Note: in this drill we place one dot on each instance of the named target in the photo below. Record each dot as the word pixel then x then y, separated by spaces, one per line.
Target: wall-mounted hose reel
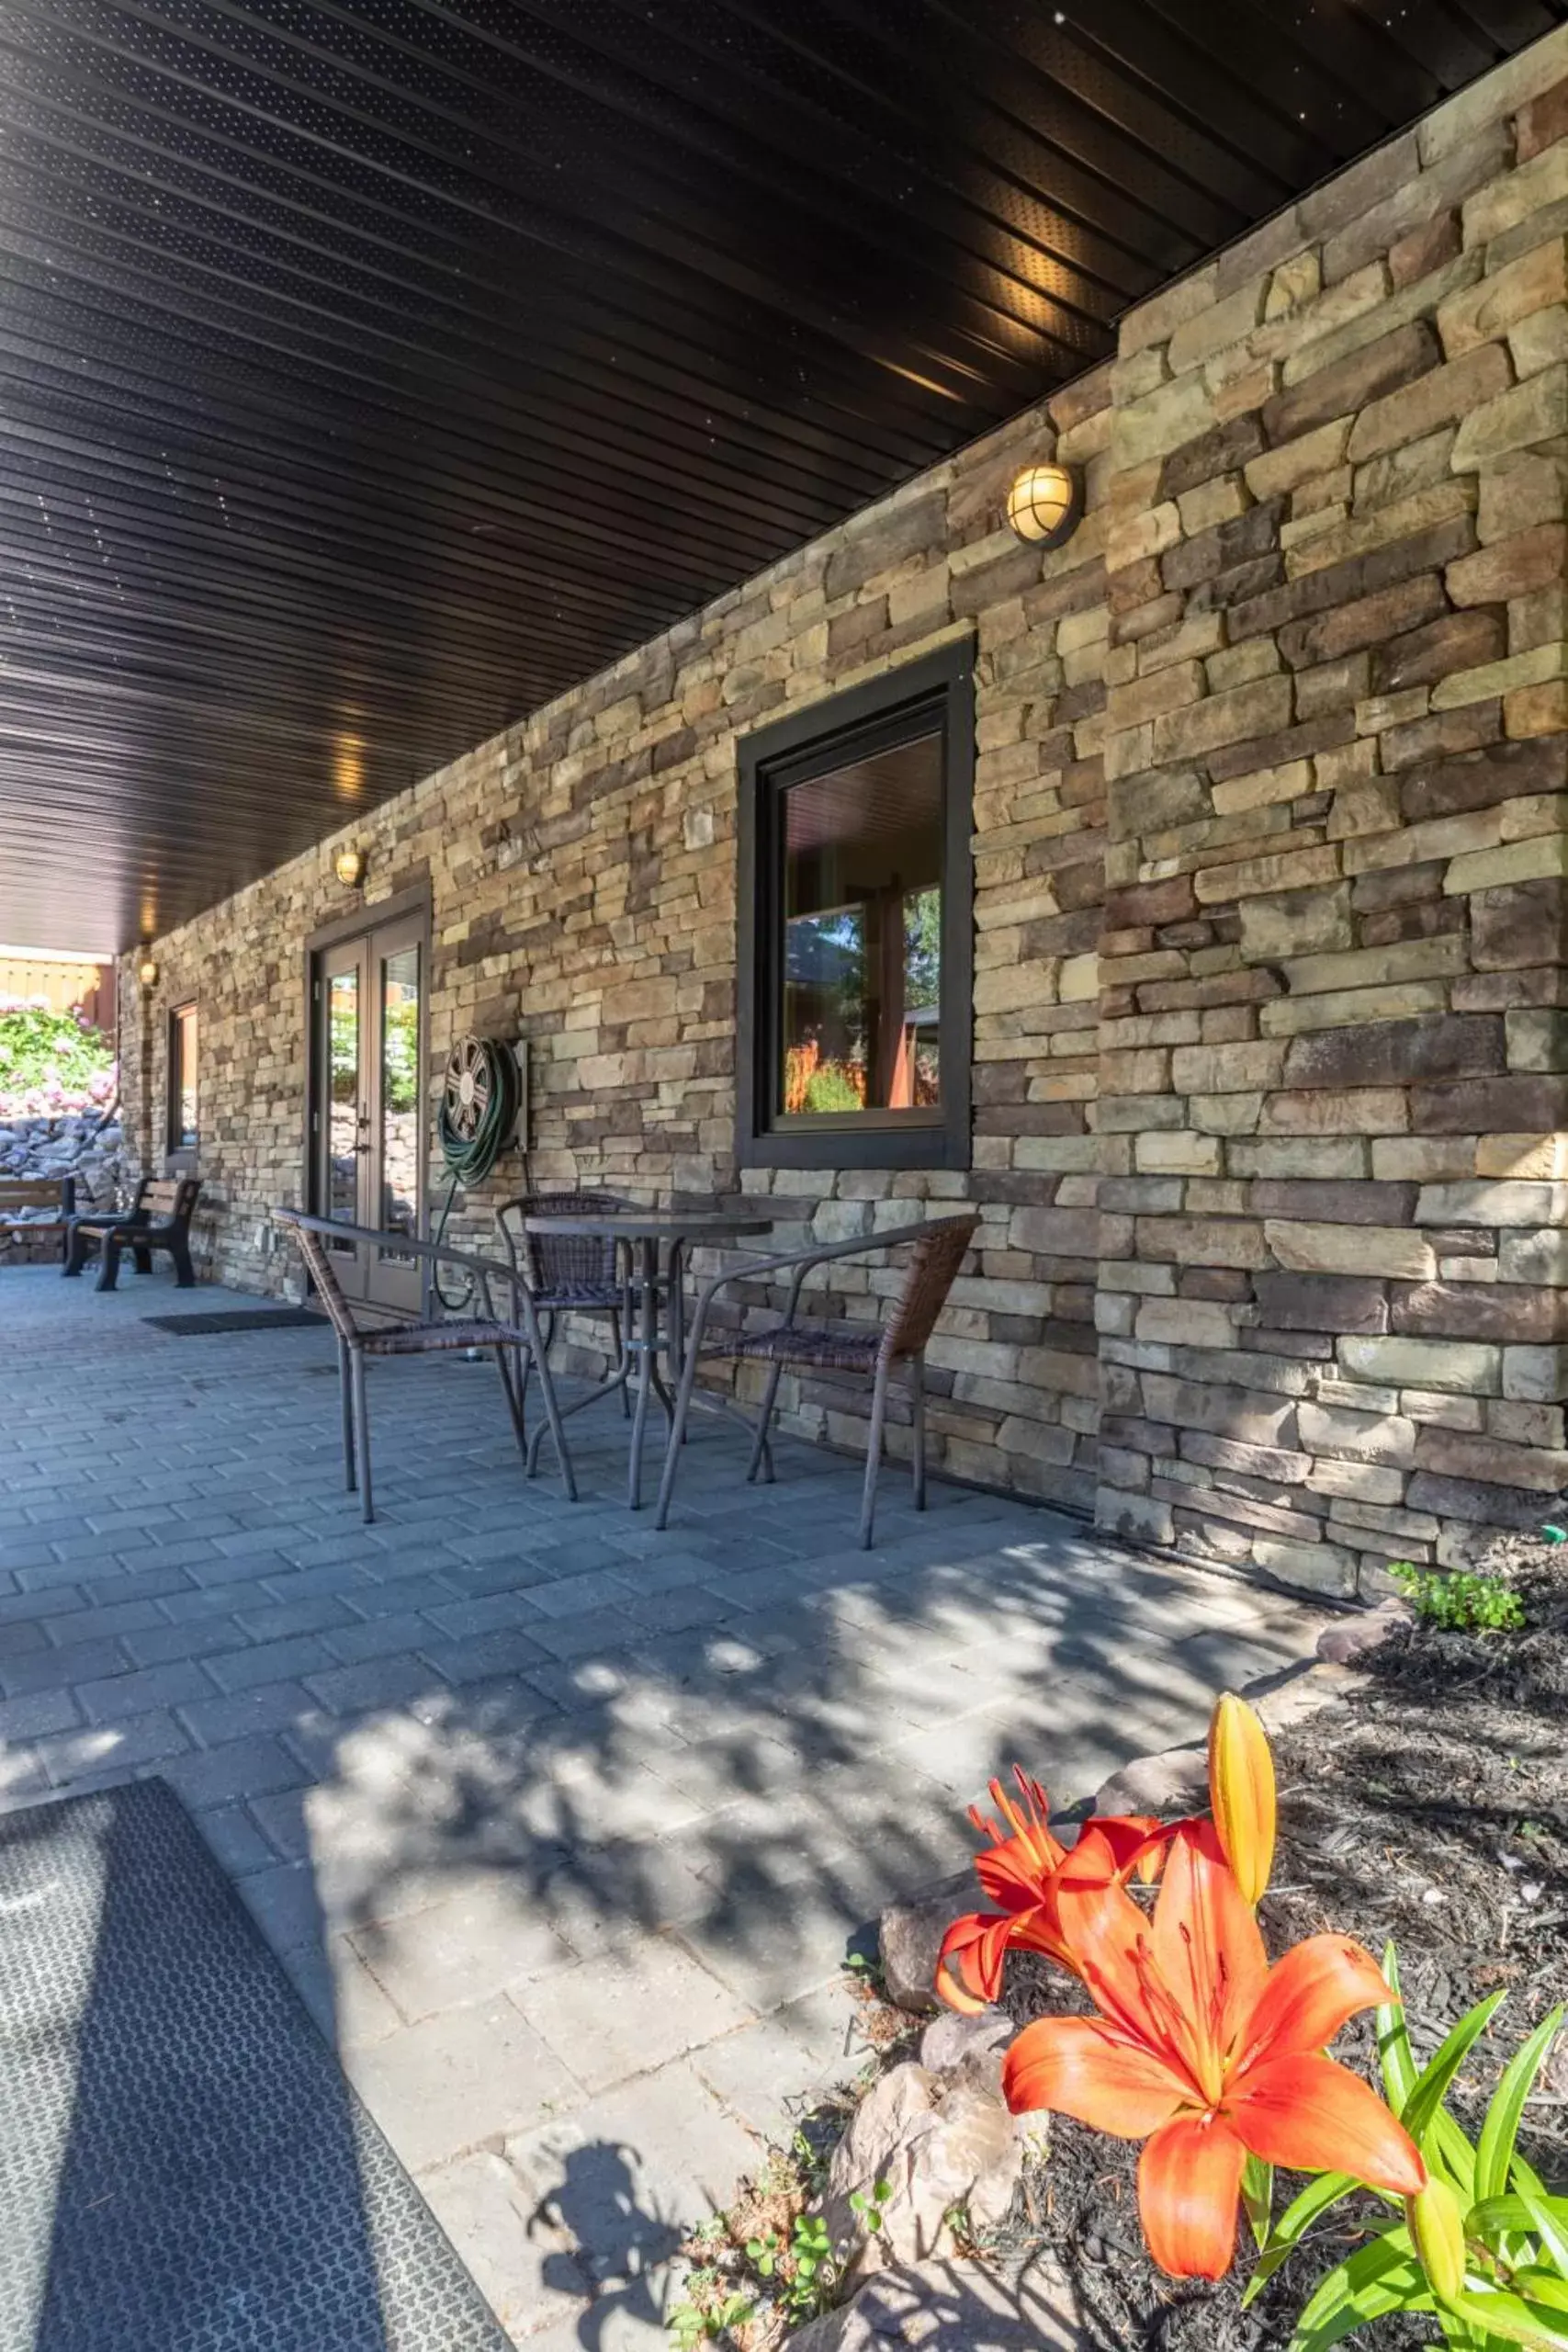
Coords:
pixel 483 1108
pixel 482 1098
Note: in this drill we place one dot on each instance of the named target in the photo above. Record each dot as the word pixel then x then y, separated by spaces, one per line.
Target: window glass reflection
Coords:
pixel 183 1036
pixel 400 1094
pixel 861 977
pixel 343 1113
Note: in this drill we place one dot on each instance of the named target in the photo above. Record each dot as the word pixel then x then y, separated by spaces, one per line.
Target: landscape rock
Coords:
pixel 937 2142
pixel 1358 1637
pixel 951 2043
pixel 1175 1782
pixel 910 1938
pixel 69 1145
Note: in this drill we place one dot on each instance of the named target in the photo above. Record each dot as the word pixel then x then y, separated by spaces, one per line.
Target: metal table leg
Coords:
pixel 647 1344
pixel 676 1320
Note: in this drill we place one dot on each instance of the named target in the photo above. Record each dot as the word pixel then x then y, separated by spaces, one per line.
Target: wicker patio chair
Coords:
pixel 936 1252
pixel 356 1341
pixel 571 1273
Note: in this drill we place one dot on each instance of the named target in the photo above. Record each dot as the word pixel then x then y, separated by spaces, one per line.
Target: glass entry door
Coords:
pixel 366 1114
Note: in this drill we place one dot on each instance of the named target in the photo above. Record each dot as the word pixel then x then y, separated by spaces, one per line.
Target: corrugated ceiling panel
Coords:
pixel 370 372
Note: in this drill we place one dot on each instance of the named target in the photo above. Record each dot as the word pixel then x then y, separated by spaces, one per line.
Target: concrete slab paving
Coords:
pixel 562 1827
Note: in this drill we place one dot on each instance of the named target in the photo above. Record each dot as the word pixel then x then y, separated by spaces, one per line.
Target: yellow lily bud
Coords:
pixel 1436 2230
pixel 1241 1793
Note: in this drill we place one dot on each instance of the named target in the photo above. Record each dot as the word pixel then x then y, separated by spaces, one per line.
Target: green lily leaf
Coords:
pixel 1394 2054
pixel 1547 2286
pixel 1517 2211
pixel 1426 2092
pixel 1258 2196
pixel 1495 2150
pixel 1549 2220
pixel 1317 2199
pixel 1510 2224
pixel 1496 2313
pixel 1383 2276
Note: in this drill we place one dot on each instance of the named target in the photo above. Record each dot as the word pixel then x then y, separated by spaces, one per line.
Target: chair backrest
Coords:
pixel 557 1263
pixel 170 1199
pixel 328 1290
pixel 934 1261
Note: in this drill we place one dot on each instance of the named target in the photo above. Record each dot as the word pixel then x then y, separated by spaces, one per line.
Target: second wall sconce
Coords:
pixel 1044 504
pixel 349 867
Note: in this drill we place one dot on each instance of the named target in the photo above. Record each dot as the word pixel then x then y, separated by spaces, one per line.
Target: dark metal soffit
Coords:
pixel 371 370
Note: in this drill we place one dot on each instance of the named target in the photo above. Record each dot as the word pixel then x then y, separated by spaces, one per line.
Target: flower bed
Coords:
pixel 1429 1806
pixel 1424 1808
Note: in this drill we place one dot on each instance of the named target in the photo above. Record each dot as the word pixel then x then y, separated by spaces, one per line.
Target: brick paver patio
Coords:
pixel 559 1825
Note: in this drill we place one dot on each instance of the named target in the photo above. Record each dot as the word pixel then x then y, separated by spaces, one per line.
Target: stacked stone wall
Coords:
pixel 1333 1035
pixel 1270 1148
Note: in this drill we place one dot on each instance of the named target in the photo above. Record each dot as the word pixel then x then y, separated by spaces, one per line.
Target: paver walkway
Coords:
pixel 559 1825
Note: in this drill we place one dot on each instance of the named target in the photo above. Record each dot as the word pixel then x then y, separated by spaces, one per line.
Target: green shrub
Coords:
pixel 831 1088
pixel 1458 1601
pixel 50 1060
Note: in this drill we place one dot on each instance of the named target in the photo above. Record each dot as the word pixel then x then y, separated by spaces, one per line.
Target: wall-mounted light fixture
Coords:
pixel 349 867
pixel 1044 503
pixel 147 969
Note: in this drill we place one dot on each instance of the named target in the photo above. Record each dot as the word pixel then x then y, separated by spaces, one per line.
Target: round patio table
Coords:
pixel 648 1233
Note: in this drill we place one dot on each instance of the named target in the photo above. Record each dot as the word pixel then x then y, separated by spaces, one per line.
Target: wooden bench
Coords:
pixel 159 1218
pixel 32 1206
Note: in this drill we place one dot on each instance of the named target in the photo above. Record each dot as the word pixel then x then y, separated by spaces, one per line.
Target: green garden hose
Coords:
pixel 479 1102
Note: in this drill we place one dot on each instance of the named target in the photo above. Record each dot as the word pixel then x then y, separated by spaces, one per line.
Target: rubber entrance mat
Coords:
pixel 183 2166
pixel 238 1318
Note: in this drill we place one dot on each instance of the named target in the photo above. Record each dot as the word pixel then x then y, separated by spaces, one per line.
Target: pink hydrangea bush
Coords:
pixel 53 1065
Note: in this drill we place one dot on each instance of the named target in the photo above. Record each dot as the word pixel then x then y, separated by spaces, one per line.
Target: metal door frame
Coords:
pixel 412 908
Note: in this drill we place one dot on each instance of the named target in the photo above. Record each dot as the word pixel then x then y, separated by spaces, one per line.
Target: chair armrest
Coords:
pixel 433 1253
pixel 801 1261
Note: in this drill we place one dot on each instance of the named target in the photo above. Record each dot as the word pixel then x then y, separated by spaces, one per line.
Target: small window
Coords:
pixel 182 1077
pixel 856 913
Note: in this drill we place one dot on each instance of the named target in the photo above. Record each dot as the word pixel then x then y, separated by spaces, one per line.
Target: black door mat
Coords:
pixel 238 1318
pixel 183 2166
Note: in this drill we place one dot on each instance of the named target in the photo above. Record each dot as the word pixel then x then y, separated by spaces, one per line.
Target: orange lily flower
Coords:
pixel 1241 1793
pixel 1020 1871
pixel 1206 2052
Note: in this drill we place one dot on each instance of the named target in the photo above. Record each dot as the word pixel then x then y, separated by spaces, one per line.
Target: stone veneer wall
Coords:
pixel 1286 1118
pixel 1333 1101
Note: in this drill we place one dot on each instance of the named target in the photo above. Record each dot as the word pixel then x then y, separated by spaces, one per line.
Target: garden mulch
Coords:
pixel 1430 1805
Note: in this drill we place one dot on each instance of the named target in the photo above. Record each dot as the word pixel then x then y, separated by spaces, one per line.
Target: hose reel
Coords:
pixel 481 1101
pixel 482 1094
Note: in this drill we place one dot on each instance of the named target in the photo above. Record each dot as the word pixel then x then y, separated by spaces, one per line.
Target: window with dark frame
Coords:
pixel 183 1036
pixel 856 911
